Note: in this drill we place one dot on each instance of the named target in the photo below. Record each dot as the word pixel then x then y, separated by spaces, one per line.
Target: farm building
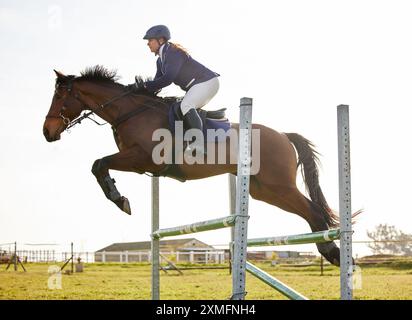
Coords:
pixel 189 250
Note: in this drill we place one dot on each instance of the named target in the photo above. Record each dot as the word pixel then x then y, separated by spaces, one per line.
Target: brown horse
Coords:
pixel 135 116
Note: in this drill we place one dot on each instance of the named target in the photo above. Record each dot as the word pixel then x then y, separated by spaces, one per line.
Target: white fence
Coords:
pixel 204 257
pixel 199 257
pixel 50 256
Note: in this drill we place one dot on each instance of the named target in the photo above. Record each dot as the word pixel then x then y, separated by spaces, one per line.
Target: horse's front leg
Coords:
pixel 132 159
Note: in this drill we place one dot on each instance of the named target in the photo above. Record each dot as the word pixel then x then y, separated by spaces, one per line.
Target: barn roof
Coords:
pixel 145 245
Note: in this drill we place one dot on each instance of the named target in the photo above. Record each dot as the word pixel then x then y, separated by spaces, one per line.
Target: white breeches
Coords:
pixel 199 95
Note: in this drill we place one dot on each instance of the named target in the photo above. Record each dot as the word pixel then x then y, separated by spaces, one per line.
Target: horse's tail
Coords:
pixel 308 160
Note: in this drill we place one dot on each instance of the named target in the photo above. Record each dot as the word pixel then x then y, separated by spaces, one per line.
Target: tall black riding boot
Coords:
pixel 192 121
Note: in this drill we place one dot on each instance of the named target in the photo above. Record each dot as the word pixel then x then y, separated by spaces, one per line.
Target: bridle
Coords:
pixel 86 115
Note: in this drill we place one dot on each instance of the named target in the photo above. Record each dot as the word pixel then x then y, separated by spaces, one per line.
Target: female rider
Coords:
pixel 176 65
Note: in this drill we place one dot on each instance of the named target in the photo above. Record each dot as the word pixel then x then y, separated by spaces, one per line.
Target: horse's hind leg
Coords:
pixel 315 216
pixel 128 160
pixel 290 199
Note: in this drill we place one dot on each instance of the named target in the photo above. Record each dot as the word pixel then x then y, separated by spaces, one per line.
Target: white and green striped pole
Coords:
pixel 315 237
pixel 208 225
pixel 274 283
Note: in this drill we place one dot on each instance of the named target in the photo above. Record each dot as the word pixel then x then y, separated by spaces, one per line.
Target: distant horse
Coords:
pixel 135 116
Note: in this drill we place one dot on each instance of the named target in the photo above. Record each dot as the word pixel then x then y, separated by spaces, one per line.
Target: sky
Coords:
pixel 298 60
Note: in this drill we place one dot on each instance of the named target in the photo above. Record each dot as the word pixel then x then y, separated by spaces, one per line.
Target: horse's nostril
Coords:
pixel 46 133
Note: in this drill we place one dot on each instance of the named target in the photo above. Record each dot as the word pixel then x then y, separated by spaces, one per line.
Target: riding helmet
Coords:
pixel 157 32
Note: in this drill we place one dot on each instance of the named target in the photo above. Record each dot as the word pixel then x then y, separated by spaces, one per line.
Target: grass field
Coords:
pixel 132 281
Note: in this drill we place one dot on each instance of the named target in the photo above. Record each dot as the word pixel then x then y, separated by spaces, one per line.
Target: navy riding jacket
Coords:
pixel 180 68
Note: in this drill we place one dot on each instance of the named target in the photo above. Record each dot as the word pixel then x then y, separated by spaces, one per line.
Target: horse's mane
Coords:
pixel 101 74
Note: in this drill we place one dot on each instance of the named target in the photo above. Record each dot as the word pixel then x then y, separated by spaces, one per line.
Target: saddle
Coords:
pixel 218 115
pixel 215 119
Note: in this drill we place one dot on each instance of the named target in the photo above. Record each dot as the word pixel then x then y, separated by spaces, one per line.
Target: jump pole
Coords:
pixel 207 225
pixel 232 209
pixel 274 283
pixel 155 241
pixel 239 255
pixel 315 237
pixel 345 207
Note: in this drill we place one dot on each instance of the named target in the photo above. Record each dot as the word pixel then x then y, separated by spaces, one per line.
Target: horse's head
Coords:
pixel 65 107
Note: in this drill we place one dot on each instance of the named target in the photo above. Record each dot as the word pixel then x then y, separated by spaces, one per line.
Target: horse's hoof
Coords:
pixel 124 205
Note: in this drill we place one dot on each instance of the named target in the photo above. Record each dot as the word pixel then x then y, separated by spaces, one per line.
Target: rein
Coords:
pixel 86 115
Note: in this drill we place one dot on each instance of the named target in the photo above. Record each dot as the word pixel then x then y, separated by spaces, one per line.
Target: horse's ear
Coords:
pixel 59 74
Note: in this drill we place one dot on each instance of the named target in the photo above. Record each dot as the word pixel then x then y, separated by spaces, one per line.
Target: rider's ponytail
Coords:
pixel 179 47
